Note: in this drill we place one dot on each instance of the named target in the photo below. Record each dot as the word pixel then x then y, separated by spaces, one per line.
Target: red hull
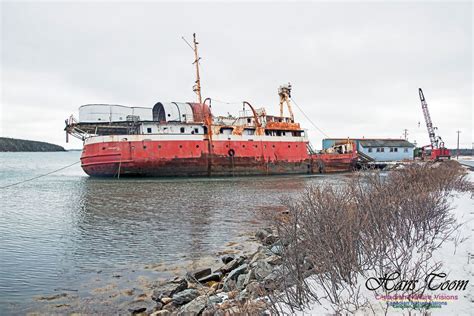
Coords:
pixel 199 158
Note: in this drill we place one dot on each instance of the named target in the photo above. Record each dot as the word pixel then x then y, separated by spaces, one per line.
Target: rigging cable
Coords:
pixel 40 176
pixel 306 116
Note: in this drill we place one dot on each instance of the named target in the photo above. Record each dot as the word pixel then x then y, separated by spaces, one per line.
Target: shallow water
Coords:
pixel 60 231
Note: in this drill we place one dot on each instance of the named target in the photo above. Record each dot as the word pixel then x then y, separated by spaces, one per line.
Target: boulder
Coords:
pixel 227 258
pixel 262 233
pixel 270 239
pixel 185 296
pixel 229 285
pixel 171 307
pixel 249 277
pixel 137 310
pixel 214 299
pixel 262 270
pixel 277 249
pixel 199 274
pixel 234 274
pixel 215 277
pixel 231 265
pixel 168 290
pixel 194 307
pixel 240 281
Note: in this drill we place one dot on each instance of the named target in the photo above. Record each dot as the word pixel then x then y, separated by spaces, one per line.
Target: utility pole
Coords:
pixel 457 152
pixel 405 134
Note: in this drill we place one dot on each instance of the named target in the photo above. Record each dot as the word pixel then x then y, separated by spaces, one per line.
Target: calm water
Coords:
pixel 58 231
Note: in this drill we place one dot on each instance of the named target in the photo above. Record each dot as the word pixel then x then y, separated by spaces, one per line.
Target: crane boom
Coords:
pixel 429 123
pixel 438 151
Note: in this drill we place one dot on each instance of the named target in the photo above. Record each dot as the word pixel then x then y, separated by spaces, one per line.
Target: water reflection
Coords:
pixel 61 230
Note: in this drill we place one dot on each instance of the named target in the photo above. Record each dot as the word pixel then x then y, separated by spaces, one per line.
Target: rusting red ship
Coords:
pixel 186 139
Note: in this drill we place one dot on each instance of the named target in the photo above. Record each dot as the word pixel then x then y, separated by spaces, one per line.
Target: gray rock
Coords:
pixel 163 312
pixel 270 239
pixel 214 299
pixel 240 281
pixel 185 296
pixel 262 270
pixel 140 306
pixel 231 265
pixel 137 310
pixel 199 274
pixel 249 277
pixel 229 285
pixel 254 289
pixel 168 290
pixel 227 258
pixel 261 234
pixel 234 274
pixel 277 249
pixel 194 307
pixel 216 276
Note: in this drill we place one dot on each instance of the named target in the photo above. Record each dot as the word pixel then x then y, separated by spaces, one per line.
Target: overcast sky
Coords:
pixel 355 67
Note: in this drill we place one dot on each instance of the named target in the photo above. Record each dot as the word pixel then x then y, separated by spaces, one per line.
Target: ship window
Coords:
pixel 249 120
pixel 182 129
pixel 144 147
pixel 391 149
pixel 273 146
pixel 382 149
pixel 395 149
pixel 243 146
pixel 378 150
pixel 405 150
pixel 227 146
pixel 289 146
pixel 197 146
pixel 180 146
pixel 103 148
pixel 370 150
pixel 196 130
pixel 169 115
pixel 148 130
pixel 159 146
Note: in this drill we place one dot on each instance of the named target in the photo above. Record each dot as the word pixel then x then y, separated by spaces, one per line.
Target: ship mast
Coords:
pixel 197 86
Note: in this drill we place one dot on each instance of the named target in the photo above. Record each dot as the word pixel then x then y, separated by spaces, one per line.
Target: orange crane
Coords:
pixel 438 150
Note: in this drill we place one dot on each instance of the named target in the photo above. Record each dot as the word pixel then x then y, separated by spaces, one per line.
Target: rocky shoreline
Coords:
pixel 236 287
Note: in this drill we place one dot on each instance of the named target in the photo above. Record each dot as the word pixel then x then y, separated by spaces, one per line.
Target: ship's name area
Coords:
pixel 433 281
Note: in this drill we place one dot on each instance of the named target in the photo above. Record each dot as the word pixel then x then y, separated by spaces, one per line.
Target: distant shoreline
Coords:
pixel 23 145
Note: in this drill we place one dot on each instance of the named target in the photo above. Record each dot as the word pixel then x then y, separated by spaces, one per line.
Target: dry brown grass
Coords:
pixel 372 225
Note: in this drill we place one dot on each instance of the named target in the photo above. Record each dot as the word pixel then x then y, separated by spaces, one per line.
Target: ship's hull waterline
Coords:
pixel 201 157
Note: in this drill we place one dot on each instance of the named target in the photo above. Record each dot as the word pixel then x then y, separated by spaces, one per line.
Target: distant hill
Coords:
pixel 13 144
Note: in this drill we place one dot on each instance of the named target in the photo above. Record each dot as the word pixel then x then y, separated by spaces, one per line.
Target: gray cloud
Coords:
pixel 355 67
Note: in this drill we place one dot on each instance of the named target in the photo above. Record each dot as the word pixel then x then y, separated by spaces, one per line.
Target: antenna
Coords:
pixel 197 86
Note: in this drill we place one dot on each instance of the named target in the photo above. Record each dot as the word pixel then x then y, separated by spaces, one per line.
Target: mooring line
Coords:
pixel 307 117
pixel 40 176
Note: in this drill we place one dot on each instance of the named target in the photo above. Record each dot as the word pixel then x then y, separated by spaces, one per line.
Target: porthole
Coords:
pixel 180 146
pixel 197 146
